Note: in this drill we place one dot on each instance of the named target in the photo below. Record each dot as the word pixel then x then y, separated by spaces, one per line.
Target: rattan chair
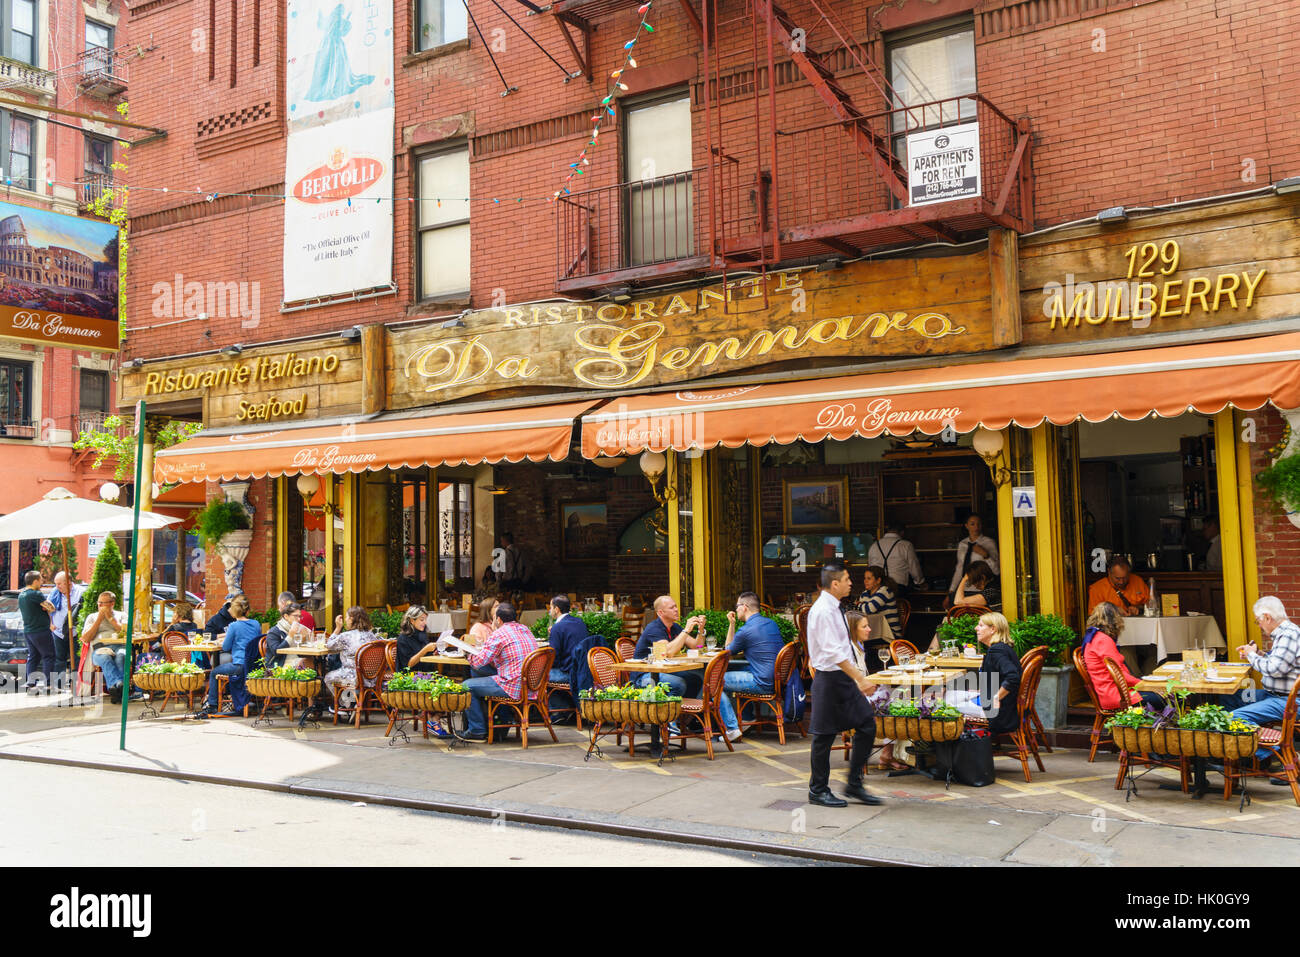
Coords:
pixel 632 623
pixel 1280 743
pixel 372 670
pixel 704 711
pixel 801 623
pixel 600 662
pixel 170 640
pixel 554 686
pixel 901 644
pixel 1040 652
pixel 786 659
pixel 1023 734
pixel 532 694
pixel 390 655
pixel 624 648
pixel 904 614
pixel 1139 760
pixel 1101 714
pixel 958 611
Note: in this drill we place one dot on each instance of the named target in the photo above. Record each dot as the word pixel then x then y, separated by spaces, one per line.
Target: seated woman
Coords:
pixel 480 631
pixel 345 644
pixel 184 623
pixel 979 586
pixel 287 631
pixel 242 636
pixel 859 634
pixel 1101 632
pixel 413 641
pixel 880 597
pixel 998 678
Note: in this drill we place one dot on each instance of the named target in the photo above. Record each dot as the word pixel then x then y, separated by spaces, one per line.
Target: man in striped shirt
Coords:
pixel 505 649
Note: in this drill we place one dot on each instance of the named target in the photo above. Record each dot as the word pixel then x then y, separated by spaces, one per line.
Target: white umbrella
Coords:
pixel 60 514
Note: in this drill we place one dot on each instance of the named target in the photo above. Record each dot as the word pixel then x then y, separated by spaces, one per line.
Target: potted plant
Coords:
pixel 924 720
pixel 292 684
pixel 1281 483
pixel 605 625
pixel 226 527
pixel 960 631
pixel 627 704
pixel 1054 687
pixel 1207 731
pixel 427 693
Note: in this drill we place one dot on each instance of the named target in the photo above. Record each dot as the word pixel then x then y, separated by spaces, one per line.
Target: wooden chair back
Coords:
pixel 536 671
pixel 625 648
pixel 785 662
pixel 1029 678
pixel 1086 678
pixel 714 675
pixel 600 662
pixel 1038 651
pixel 801 622
pixel 371 662
pixel 632 622
pixel 1121 683
pixel 904 613
pixel 957 611
pixel 390 655
pixel 1289 717
pixel 261 651
pixel 766 610
pixel 901 644
pixel 169 642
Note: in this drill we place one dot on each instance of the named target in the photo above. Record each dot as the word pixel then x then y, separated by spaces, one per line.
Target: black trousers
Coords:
pixel 864 738
pixel 40 655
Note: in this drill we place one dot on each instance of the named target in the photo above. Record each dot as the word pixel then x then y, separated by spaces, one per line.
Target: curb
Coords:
pixel 462 810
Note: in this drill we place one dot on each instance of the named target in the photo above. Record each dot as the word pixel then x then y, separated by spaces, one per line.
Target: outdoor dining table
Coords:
pixel 927 678
pixel 1232 677
pixel 665 665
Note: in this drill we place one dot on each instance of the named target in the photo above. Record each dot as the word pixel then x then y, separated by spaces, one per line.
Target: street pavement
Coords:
pixel 754 797
pixel 136 821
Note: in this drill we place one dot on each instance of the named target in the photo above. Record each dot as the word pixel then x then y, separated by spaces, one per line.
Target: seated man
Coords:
pixel 759 639
pixel 102 626
pixel 505 649
pixel 1120 587
pixel 567 633
pixel 218 622
pixel 242 637
pixel 1278 669
pixel 688 684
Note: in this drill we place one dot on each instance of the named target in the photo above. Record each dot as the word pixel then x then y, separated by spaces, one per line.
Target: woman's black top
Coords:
pixel 408 645
pixel 1003 668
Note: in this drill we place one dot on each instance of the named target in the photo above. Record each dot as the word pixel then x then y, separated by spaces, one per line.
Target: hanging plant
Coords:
pixel 218 519
pixel 1281 482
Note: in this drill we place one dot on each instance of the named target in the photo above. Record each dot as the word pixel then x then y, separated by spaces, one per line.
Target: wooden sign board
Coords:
pixel 278 383
pixel 46 328
pixel 798 318
pixel 1190 269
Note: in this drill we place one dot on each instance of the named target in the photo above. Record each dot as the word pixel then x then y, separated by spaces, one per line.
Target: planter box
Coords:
pixel 283 688
pixel 629 712
pixel 1192 744
pixel 918 729
pixel 1053 698
pixel 174 684
pixel 423 701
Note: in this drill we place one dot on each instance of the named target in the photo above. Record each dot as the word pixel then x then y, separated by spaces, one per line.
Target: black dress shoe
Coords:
pixel 826 799
pixel 860 794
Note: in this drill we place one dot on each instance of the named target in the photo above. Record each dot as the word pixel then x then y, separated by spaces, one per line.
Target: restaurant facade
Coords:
pixel 688 414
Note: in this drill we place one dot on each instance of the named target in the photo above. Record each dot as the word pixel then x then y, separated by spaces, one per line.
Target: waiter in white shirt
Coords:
pixel 975 547
pixel 839 693
pixel 898 556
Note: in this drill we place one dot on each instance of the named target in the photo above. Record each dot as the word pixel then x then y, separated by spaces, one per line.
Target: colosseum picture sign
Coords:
pixel 58 279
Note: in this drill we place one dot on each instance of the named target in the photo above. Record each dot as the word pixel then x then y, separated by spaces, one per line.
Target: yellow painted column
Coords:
pixel 1230 526
pixel 282 539
pixel 349 512
pixel 1246 510
pixel 1046 534
pixel 699 532
pixel 1007 551
pixel 327 495
pixel 673 520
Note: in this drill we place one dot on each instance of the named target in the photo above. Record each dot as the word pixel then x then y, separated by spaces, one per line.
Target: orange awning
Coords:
pixel 467 438
pixel 1172 380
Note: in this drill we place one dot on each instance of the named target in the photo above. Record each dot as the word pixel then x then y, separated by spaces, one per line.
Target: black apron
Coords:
pixel 838 704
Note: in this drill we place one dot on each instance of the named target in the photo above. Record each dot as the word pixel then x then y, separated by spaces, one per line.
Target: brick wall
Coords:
pixel 1277 541
pixel 259 567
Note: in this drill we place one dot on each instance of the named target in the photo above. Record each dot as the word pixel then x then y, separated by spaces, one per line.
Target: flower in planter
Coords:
pixel 169 668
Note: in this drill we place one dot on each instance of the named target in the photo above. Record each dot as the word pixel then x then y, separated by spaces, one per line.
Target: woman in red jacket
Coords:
pixel 1102 630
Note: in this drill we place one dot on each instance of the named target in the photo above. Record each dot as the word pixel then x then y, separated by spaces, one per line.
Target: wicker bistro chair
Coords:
pixel 532 694
pixel 632 622
pixel 1127 760
pixel 904 614
pixel 1101 714
pixel 372 671
pixel 786 660
pixel 600 663
pixel 901 644
pixel 624 648
pixel 1039 652
pixel 170 640
pixel 705 710
pixel 390 655
pixel 554 686
pixel 958 611
pixel 1023 735
pixel 1280 743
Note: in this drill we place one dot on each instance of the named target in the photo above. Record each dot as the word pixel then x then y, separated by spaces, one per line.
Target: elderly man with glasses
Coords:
pixel 1278 669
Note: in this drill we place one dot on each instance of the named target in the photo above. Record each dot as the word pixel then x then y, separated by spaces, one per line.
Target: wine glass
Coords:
pixel 883 654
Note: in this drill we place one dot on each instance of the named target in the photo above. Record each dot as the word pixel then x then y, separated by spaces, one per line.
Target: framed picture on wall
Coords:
pixel 820 504
pixel 583 536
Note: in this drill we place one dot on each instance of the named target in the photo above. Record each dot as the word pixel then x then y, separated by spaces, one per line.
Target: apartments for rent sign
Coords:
pixel 944 164
pixel 338 219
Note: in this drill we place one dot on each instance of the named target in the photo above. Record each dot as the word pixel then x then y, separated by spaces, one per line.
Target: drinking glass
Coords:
pixel 883 654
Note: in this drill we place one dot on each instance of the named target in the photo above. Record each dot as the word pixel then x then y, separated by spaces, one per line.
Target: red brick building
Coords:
pixel 751 142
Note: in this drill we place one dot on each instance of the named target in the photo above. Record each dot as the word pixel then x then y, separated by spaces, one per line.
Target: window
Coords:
pixel 16 397
pixel 94 391
pixel 16 148
pixel 456 534
pixel 439 22
pixel 931 64
pixel 99 46
pixel 19 23
pixel 659 200
pixel 443 189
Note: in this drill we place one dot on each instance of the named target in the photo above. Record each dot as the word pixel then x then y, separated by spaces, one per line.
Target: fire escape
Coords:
pixel 804 157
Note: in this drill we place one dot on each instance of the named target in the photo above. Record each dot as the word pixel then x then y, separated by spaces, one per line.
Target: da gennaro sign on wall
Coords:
pixel 58 279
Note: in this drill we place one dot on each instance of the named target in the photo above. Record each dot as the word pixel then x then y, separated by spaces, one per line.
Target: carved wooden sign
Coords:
pixel 859 311
pixel 1181 270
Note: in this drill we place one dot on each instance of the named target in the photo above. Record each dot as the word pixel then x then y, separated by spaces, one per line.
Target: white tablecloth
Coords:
pixel 440 621
pixel 532 615
pixel 1173 634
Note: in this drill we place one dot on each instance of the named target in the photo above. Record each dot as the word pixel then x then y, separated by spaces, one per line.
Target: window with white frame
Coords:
pixel 18 23
pixel 17 149
pixel 439 22
pixel 657 161
pixel 443 223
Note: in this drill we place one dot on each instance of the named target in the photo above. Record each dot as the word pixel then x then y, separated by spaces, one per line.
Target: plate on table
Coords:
pixel 1220 680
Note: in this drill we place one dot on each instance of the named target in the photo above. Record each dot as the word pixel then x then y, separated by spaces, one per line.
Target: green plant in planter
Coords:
pixel 960 630
pixel 218 519
pixel 1281 482
pixel 1034 630
pixel 106 577
pixel 604 624
pixel 715 622
pixel 789 630
pixel 1135 717
pixel 387 623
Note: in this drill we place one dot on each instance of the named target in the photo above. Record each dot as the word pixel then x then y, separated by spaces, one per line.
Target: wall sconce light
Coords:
pixel 232 350
pixel 989 444
pixel 653 464
pixel 1112 214
pixel 619 293
pixel 351 335
pixel 308 486
pixel 110 491
pixel 133 364
pixel 496 489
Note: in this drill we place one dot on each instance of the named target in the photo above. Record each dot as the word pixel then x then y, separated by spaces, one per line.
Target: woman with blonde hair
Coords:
pixel 998 677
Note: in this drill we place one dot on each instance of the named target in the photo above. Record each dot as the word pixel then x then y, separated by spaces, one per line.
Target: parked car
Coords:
pixel 13 646
pixel 168 593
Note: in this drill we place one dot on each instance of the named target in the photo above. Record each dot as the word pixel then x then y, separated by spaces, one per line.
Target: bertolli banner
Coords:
pixel 338 217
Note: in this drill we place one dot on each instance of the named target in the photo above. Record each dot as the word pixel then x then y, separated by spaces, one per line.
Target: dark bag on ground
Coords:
pixel 795 698
pixel 969 759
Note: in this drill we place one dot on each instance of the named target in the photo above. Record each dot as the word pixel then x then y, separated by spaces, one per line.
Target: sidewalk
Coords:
pixel 1071 815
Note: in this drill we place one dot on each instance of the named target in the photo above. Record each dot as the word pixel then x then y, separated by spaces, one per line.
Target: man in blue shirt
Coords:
pixel 665 628
pixel 567 633
pixel 760 640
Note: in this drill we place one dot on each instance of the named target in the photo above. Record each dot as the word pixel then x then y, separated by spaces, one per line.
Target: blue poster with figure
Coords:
pixel 332 74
